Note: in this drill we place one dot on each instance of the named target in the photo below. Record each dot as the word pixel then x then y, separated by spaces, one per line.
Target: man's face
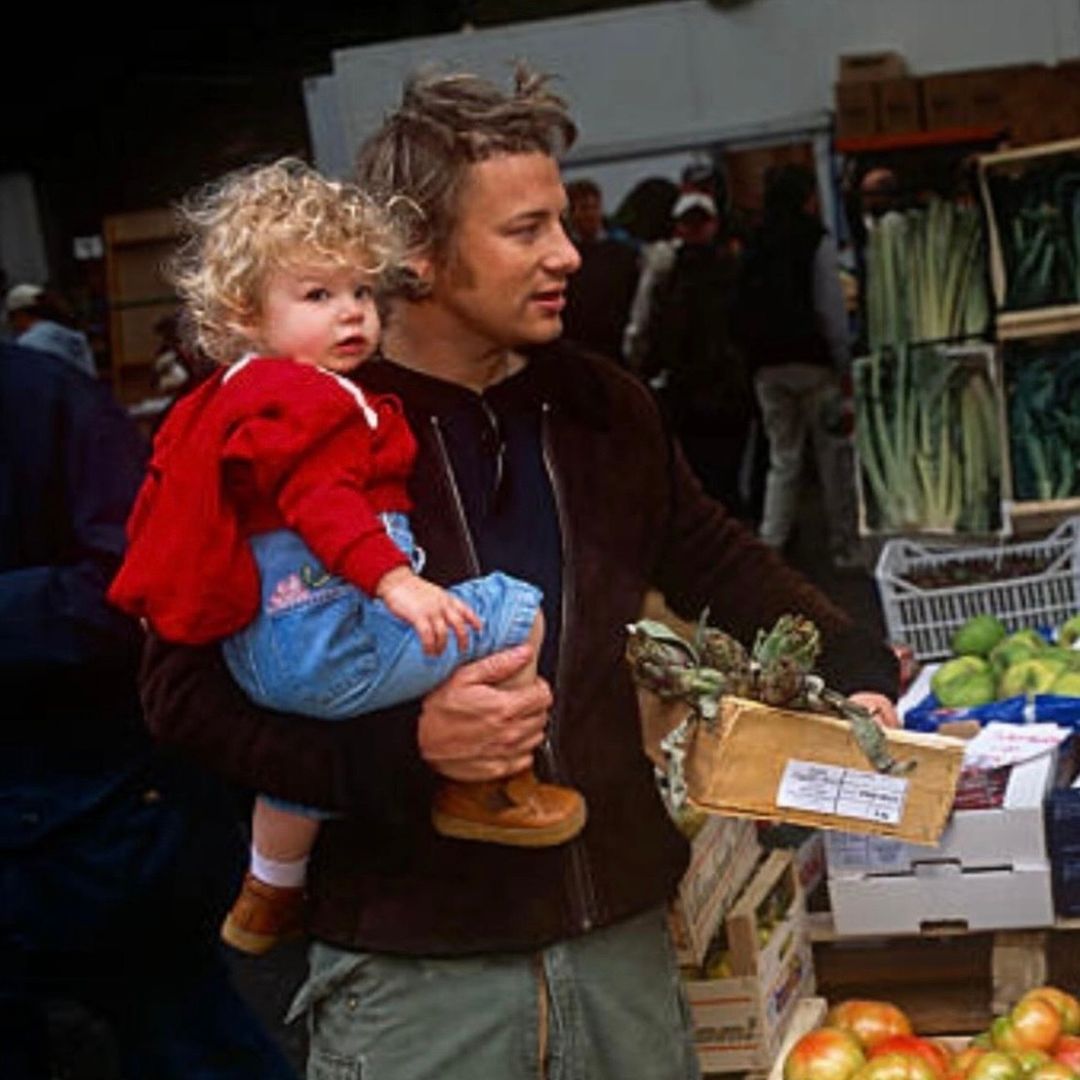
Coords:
pixel 697 227
pixel 587 215
pixel 503 281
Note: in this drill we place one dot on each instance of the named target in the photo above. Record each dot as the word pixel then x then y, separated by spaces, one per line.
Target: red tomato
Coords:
pixel 1052 1070
pixel 824 1054
pixel 935 1055
pixel 994 1065
pixel 897 1067
pixel 1067 1005
pixel 962 1062
pixel 1030 1060
pixel 1067 1051
pixel 1035 1022
pixel 869 1021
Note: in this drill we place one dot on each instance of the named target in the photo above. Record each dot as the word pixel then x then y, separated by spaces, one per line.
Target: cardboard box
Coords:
pixel 1010 836
pixel 807 847
pixel 871 66
pixel 945 100
pixel 989 871
pixel 900 108
pixel 723 856
pixel 781 765
pixel 857 110
pixel 942 895
pixel 740 1022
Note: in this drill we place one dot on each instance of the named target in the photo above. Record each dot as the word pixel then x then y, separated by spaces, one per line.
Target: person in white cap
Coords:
pixel 35 324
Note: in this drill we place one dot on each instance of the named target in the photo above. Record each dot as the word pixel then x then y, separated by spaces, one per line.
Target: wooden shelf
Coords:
pixel 917 140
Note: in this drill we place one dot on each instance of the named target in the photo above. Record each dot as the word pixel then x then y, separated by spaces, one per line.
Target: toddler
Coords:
pixel 274 515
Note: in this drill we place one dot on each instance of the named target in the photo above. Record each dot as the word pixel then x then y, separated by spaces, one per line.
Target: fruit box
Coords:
pixel 723 855
pixel 924 600
pixel 740 1021
pixel 781 765
pixel 989 871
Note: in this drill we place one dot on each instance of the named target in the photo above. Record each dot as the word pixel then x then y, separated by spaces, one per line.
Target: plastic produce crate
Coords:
pixel 925 616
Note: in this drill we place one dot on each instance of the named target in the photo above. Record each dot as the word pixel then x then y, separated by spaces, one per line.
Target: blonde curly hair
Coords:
pixel 250 222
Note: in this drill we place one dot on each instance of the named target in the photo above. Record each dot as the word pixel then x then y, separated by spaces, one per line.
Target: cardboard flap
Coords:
pixel 738 767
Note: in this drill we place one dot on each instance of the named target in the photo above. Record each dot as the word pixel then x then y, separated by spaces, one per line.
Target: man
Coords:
pixel 705 385
pixel 598 296
pixel 117 858
pixel 453 959
pixel 793 329
pixel 34 322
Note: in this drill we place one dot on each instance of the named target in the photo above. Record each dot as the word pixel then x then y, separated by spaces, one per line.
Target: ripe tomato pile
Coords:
pixel 1038 1039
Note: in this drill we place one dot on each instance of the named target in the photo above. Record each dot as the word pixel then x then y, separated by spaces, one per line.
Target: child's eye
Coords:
pixel 363 292
pixel 316 293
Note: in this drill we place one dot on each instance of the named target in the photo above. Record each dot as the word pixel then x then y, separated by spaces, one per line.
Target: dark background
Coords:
pixel 114 109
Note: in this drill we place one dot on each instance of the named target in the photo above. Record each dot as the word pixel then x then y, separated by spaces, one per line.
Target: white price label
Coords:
pixel 852 793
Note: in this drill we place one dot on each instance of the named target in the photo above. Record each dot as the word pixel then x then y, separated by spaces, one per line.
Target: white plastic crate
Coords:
pixel 926 618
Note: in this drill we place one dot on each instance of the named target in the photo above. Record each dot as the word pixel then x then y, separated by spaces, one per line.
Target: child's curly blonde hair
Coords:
pixel 238 229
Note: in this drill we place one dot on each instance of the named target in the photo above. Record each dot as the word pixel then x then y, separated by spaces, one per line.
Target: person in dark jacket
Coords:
pixel 792 326
pixel 598 296
pixel 705 384
pixel 435 957
pixel 117 858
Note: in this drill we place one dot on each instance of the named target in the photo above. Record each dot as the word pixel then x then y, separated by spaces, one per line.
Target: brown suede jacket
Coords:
pixel 632 517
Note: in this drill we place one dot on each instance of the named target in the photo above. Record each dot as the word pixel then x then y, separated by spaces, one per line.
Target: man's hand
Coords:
pixel 430 610
pixel 883 710
pixel 473 728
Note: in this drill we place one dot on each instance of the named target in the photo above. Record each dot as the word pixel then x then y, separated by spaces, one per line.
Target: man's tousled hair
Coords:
pixel 444 124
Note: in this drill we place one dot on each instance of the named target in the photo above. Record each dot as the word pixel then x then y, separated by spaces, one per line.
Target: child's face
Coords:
pixel 324 316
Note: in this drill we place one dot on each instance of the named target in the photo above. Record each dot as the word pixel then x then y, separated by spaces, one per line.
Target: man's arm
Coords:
pixel 383 766
pixel 369 765
pixel 710 558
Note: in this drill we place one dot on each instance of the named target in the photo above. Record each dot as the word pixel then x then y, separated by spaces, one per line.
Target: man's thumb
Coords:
pixel 498 666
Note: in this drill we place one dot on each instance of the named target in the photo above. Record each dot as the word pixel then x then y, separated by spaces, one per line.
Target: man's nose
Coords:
pixel 563 257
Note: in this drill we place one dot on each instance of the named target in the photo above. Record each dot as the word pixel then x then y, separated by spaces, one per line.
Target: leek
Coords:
pixel 927 440
pixel 925 276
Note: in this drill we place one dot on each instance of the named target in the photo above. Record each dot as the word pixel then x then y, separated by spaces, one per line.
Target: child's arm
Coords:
pixel 430 610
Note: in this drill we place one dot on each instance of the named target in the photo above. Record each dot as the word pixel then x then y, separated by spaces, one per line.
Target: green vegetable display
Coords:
pixel 927 440
pixel 1037 208
pixel 926 276
pixel 1043 391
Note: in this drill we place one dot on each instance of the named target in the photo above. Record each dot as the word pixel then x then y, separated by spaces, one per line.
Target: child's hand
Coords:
pixel 431 611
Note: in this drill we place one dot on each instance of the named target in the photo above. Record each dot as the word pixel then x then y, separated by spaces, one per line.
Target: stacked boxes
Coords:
pixel 990 870
pixel 723 854
pixel 740 1018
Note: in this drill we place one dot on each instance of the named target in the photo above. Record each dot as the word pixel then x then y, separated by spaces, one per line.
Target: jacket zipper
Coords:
pixel 459 506
pixel 582 884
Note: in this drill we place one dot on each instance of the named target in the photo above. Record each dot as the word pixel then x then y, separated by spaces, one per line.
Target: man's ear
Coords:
pixel 422 268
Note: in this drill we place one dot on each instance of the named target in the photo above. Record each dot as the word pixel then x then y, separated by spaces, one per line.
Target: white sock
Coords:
pixel 285 875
